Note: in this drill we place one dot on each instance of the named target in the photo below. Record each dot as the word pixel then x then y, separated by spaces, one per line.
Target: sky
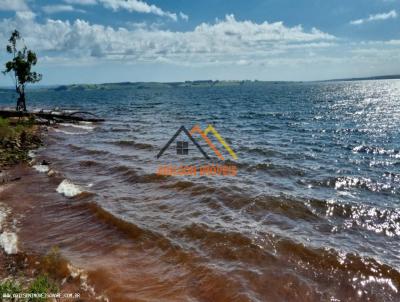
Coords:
pixel 103 41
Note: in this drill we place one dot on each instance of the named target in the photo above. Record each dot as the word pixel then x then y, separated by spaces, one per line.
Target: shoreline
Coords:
pixel 25 274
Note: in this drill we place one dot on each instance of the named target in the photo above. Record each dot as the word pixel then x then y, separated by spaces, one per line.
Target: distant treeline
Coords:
pixel 154 85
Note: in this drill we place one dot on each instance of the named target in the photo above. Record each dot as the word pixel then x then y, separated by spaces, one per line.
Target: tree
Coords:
pixel 20 67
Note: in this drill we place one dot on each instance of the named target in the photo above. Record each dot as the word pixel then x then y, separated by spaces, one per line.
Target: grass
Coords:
pixel 54 264
pixel 5 129
pixel 8 288
pixel 47 279
pixel 17 137
pixel 42 285
pixel 13 129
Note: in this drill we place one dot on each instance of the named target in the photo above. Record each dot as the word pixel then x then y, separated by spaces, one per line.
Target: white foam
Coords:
pixel 8 241
pixel 68 132
pixel 31 154
pixel 75 271
pixel 41 168
pixel 79 126
pixel 3 216
pixel 68 188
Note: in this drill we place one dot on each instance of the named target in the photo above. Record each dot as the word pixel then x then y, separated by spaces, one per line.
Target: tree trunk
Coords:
pixel 21 105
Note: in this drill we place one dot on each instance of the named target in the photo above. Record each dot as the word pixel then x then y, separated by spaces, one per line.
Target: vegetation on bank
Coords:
pixel 38 275
pixel 17 137
pixel 40 285
pixel 158 85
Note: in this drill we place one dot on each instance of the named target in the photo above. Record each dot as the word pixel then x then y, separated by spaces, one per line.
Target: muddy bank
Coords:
pixel 43 270
pixel 22 271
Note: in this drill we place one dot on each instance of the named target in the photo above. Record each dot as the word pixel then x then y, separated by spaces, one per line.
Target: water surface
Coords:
pixel 312 215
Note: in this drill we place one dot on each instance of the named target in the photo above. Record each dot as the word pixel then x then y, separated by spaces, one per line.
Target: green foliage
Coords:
pixel 8 288
pixel 42 285
pixel 4 122
pixel 16 129
pixel 20 67
pixel 22 62
pixel 5 129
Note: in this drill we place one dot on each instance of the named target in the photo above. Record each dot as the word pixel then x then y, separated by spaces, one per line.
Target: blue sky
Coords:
pixel 95 41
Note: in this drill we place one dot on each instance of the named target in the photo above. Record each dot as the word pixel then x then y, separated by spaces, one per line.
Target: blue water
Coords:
pixel 318 167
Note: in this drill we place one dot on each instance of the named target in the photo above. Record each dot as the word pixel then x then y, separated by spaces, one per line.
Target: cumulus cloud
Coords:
pixel 227 40
pixel 13 5
pixel 378 17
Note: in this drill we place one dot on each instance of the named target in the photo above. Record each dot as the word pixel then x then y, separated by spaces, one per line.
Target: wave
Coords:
pixel 89 163
pixel 280 253
pixel 113 129
pixel 130 175
pixel 87 151
pixel 69 189
pixel 385 221
pixel 85 126
pixel 68 132
pixel 270 168
pixel 349 182
pixel 259 151
pixel 376 150
pixel 106 216
pixel 131 143
pixel 342 265
pixel 277 170
pixel 41 168
pixel 131 229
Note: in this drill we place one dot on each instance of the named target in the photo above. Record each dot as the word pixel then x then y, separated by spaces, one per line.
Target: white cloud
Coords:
pixel 378 17
pixel 137 6
pixel 52 9
pixel 13 5
pixel 81 2
pixel 227 48
pixel 226 40
pixel 183 16
pixel 25 15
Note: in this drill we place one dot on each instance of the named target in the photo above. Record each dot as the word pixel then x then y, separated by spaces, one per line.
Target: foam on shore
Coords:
pixel 8 241
pixel 88 127
pixel 41 168
pixel 31 154
pixel 69 132
pixel 68 188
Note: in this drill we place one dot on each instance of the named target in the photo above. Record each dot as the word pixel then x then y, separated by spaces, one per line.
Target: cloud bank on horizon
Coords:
pixel 133 40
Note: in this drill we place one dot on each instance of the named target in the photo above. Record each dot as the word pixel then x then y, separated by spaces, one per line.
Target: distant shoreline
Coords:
pixel 197 83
